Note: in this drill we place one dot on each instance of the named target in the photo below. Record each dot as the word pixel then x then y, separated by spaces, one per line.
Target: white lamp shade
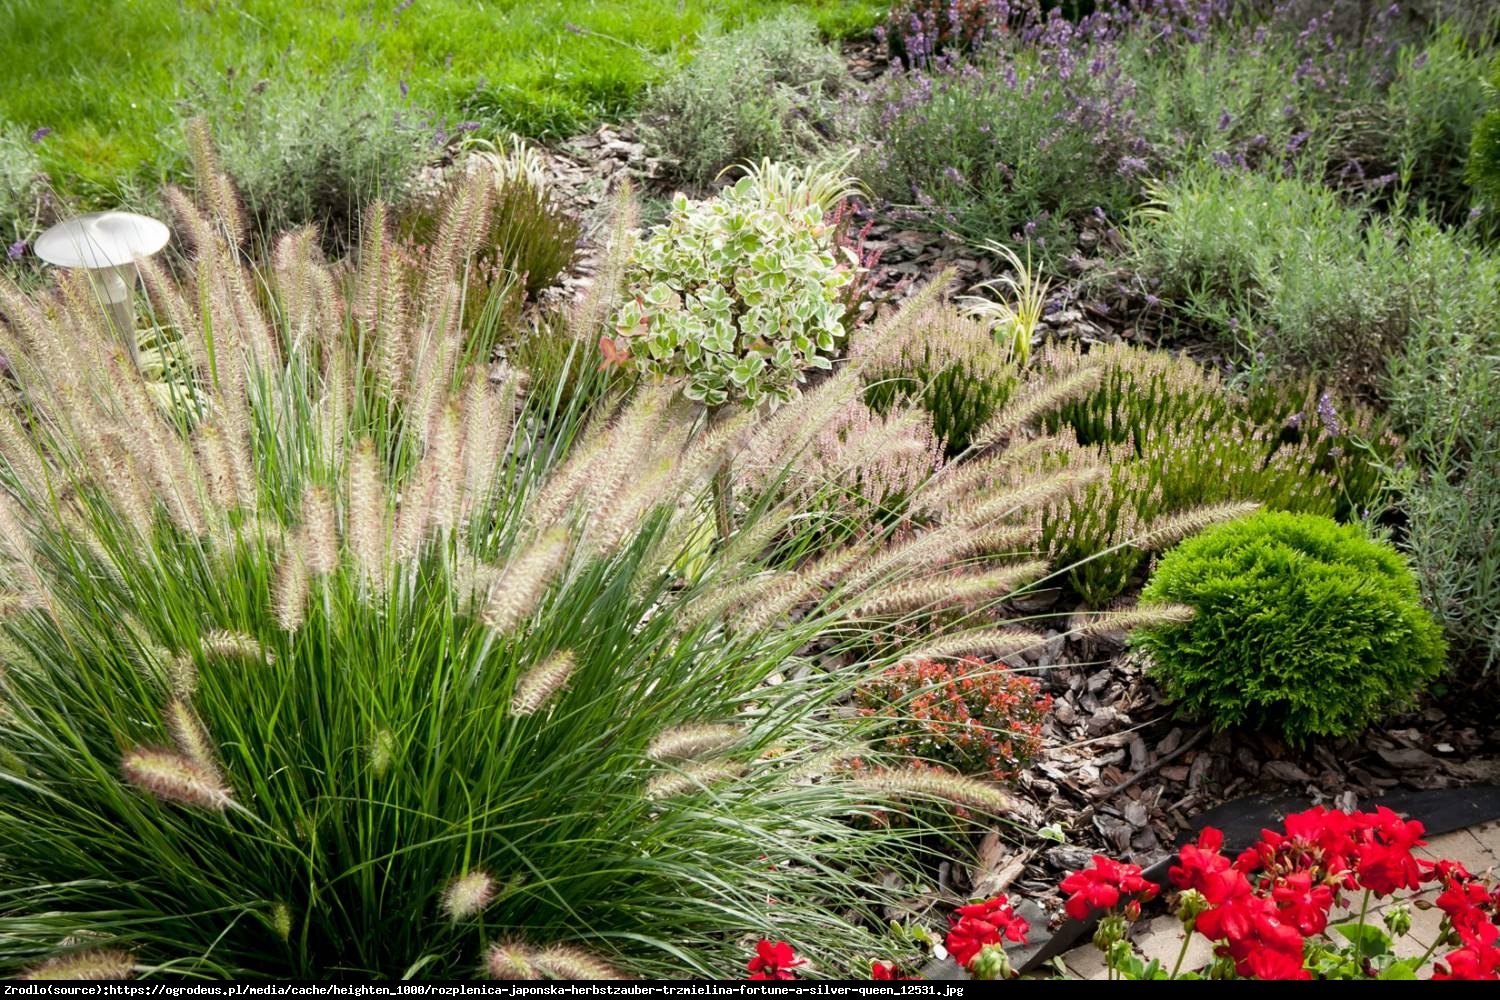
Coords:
pixel 101 239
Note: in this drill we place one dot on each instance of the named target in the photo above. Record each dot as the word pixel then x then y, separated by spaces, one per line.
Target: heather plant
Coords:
pixel 765 91
pixel 970 716
pixel 953 370
pixel 378 665
pixel 1302 627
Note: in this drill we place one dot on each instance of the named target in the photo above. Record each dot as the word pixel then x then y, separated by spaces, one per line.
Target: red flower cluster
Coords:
pixel 773 960
pixel 1472 912
pixel 1105 886
pixel 1262 907
pixel 979 718
pixel 980 924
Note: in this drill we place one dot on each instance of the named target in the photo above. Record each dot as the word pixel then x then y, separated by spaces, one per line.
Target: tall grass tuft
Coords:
pixel 367 664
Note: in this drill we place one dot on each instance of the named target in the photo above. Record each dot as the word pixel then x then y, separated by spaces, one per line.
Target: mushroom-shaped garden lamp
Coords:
pixel 107 245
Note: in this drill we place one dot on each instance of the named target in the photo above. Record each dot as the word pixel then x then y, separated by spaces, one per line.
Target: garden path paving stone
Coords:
pixel 1477 848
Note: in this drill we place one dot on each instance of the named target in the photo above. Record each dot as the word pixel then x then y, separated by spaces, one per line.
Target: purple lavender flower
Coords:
pixel 1420 61
pixel 41 133
pixel 401 85
pixel 16 250
pixel 953 175
pixel 1224 119
pixel 1295 142
pixel 1329 416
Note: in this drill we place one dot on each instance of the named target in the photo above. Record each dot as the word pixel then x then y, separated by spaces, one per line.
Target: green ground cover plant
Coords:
pixel 1300 626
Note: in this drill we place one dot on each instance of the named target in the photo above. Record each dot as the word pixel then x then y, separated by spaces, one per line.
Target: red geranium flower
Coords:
pixel 1469 963
pixel 1467 906
pixel 1303 904
pixel 981 924
pixel 1102 887
pixel 887 970
pixel 773 960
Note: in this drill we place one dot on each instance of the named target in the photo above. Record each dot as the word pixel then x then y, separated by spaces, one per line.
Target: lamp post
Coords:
pixel 107 245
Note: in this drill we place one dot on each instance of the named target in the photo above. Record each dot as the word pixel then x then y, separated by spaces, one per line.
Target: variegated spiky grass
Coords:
pixel 290 663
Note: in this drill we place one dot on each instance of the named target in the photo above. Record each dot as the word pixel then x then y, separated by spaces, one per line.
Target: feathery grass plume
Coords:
pixel 1105 622
pixel 763 605
pixel 182 675
pixel 1168 531
pixel 382 752
pixel 13 602
pixel 941 545
pixel 996 642
pixel 489 412
pixel 289 592
pixel 590 312
pixel 174 777
pixel 213 185
pixel 929 784
pixel 510 960
pixel 191 738
pixel 382 304
pixel 368 511
pixel 319 540
pixel 884 342
pixel 413 510
pixel 515 595
pixel 690 778
pixel 946 590
pixel 94 965
pixel 222 644
pixel 537 687
pixel 563 961
pixel 1035 402
pixel 212 452
pixel 686 742
pixel 281 920
pixel 446 479
pixel 467 895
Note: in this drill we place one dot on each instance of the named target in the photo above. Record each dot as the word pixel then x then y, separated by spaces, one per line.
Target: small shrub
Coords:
pixel 318 155
pixel 1016 146
pixel 1277 269
pixel 765 91
pixel 980 719
pixel 738 295
pixel 1444 393
pixel 1302 627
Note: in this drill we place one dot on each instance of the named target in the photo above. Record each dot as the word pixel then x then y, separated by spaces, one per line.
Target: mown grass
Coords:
pixel 111 77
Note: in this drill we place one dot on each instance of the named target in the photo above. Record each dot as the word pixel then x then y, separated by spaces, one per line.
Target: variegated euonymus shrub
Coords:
pixel 365 663
pixel 738 296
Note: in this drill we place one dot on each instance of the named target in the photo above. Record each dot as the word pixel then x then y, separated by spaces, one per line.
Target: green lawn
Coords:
pixel 109 77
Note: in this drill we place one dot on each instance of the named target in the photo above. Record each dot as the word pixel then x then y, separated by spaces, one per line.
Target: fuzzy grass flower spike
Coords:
pixel 738 295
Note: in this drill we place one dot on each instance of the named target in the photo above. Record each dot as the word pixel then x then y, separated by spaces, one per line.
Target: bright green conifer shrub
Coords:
pixel 1302 627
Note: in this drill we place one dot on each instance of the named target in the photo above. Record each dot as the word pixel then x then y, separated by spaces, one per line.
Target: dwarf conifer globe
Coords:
pixel 1302 627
